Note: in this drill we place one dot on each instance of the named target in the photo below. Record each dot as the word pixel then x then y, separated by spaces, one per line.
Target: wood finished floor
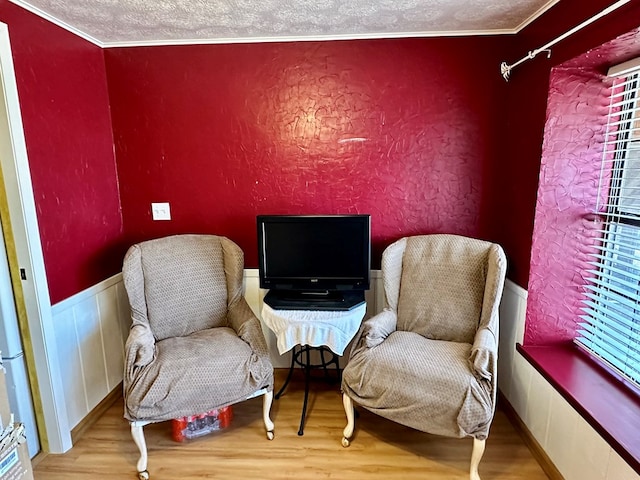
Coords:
pixel 380 449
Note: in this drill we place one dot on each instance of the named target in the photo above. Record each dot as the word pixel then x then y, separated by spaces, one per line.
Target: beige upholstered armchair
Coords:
pixel 195 345
pixel 429 359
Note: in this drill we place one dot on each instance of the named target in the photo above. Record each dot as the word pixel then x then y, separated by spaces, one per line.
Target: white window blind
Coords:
pixel 610 325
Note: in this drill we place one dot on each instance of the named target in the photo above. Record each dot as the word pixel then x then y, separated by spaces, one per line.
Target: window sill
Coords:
pixel 604 401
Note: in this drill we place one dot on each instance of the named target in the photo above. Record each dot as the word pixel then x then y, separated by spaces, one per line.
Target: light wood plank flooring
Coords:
pixel 380 449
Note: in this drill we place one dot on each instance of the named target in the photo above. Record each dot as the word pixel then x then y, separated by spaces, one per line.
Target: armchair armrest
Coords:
pixel 247 326
pixel 375 330
pixel 483 359
pixel 140 348
pixel 379 327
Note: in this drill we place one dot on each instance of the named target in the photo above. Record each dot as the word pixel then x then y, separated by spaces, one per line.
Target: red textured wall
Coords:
pixel 518 165
pixel 226 132
pixel 65 112
pixel 567 198
pixel 565 226
pixel 402 129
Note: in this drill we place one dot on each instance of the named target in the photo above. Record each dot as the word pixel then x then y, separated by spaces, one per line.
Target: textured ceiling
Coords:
pixel 118 22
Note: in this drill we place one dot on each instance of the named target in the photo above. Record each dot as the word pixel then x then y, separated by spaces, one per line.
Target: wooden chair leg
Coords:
pixel 267 400
pixel 348 410
pixel 138 437
pixel 476 456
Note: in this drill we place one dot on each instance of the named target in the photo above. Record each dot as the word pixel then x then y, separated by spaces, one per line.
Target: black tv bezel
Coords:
pixel 311 284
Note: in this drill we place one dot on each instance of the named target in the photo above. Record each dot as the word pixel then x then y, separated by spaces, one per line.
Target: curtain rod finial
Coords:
pixel 505 70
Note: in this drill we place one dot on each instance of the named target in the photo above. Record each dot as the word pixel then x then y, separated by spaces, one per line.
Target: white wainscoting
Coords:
pixel 91 328
pixel 575 448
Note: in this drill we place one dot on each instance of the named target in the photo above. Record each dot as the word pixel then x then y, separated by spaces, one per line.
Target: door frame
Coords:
pixel 40 346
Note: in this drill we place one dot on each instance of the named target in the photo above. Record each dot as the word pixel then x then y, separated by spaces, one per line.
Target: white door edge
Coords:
pixel 17 179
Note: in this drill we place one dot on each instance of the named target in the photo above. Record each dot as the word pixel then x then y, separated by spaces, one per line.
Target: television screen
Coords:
pixel 314 253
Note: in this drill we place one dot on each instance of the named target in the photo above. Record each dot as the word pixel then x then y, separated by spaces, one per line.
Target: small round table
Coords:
pixel 329 331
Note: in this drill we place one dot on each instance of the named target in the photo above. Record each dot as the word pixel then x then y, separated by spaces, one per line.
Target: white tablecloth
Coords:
pixel 316 328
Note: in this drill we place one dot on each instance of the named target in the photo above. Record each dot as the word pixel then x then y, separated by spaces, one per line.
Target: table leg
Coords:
pixel 302 357
pixel 334 359
pixel 307 374
pixel 324 364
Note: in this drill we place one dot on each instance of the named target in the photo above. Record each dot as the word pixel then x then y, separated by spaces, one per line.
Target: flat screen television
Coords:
pixel 314 261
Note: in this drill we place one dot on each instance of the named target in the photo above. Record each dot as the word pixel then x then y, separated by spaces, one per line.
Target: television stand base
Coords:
pixel 323 300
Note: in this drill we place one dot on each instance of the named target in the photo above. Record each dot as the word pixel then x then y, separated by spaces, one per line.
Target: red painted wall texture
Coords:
pixel 406 130
pixel 565 231
pixel 421 133
pixel 567 198
pixel 65 111
pixel 571 151
pixel 518 167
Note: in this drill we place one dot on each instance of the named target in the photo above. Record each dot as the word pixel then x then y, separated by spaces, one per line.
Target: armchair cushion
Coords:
pixel 195 373
pixel 185 288
pixel 442 287
pixel 421 383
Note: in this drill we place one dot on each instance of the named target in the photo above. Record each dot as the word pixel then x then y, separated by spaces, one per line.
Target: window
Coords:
pixel 610 326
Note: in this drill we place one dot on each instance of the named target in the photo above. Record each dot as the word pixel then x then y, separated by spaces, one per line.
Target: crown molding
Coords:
pixel 309 38
pixel 538 13
pixel 58 22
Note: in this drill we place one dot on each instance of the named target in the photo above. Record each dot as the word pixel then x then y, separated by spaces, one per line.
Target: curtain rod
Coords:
pixel 505 69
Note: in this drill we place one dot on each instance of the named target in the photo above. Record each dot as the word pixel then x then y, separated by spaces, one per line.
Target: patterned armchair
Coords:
pixel 429 359
pixel 195 345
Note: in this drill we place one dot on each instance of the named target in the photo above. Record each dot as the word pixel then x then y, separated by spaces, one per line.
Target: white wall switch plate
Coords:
pixel 160 211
